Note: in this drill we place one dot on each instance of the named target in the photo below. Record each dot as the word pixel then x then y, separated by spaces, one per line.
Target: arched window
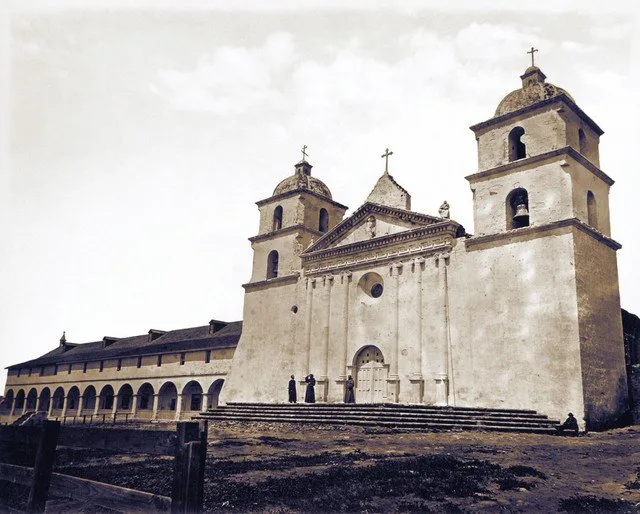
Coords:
pixel 582 138
pixel 272 264
pixel 517 149
pixel 517 209
pixel 277 218
pixel 323 223
pixel 592 211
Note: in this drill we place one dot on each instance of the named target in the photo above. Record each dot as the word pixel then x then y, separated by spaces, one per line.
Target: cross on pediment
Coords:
pixel 385 156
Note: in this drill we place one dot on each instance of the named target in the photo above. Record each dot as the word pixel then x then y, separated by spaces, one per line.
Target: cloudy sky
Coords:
pixel 136 137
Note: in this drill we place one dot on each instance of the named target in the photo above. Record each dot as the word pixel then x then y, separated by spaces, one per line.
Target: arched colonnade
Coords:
pixel 153 400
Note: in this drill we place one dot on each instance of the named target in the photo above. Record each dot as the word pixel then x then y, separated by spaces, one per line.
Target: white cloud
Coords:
pixel 576 47
pixel 233 81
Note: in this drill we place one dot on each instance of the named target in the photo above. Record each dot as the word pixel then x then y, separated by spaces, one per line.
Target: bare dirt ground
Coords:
pixel 290 468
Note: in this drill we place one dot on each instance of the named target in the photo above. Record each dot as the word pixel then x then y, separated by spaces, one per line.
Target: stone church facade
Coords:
pixel 524 313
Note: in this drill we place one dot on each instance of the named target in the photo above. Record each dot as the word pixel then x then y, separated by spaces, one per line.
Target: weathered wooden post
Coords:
pixel 188 477
pixel 43 466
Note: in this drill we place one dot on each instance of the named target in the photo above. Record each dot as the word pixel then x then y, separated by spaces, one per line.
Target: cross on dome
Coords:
pixel 532 51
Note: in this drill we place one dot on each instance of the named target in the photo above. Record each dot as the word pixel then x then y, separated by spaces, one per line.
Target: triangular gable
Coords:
pixel 360 227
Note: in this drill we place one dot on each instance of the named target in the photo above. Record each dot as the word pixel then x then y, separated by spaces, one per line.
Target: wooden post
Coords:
pixel 204 434
pixel 187 475
pixel 43 466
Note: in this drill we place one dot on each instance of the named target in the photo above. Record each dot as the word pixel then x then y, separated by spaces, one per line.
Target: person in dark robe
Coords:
pixel 571 424
pixel 293 395
pixel 349 395
pixel 310 395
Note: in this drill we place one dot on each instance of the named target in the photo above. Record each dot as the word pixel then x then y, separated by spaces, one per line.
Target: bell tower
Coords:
pixel 543 238
pixel 299 211
pixel 538 162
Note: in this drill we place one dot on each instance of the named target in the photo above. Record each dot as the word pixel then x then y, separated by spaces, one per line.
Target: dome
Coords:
pixel 534 89
pixel 302 179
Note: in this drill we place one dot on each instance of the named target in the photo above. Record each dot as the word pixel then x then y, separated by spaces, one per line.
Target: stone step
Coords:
pixel 402 417
pixel 374 420
pixel 394 406
pixel 223 414
pixel 328 410
pixel 423 425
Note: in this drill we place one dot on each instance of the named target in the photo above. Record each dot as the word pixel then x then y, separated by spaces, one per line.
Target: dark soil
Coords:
pixel 288 468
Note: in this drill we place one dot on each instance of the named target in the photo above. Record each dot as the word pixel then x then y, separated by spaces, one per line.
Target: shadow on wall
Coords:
pixel 595 419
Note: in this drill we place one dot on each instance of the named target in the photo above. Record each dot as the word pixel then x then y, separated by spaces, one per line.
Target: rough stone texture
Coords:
pixel 634 378
pixel 602 352
pixel 388 192
pixel 534 88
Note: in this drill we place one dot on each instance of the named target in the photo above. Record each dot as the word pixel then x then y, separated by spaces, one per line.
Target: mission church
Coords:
pixel 523 314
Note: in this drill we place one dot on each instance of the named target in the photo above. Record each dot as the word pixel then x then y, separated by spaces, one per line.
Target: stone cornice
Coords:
pixel 446 227
pixel 538 105
pixel 300 192
pixel 361 213
pixel 514 166
pixel 377 260
pixel 283 280
pixel 541 229
pixel 285 231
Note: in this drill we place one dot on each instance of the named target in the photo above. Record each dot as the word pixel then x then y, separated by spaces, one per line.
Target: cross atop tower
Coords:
pixel 386 155
pixel 304 153
pixel 532 51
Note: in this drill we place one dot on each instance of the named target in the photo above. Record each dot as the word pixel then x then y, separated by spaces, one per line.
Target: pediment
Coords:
pixel 369 222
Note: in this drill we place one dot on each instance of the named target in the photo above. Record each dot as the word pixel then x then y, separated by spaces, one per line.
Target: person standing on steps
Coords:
pixel 349 396
pixel 310 395
pixel 293 395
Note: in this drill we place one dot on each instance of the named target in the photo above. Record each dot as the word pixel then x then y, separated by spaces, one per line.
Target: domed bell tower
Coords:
pixel 541 203
pixel 299 211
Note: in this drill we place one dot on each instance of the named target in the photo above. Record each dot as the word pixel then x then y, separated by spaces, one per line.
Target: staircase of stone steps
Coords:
pixel 402 417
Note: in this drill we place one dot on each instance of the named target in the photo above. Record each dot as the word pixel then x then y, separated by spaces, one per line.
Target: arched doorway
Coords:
pixel 125 397
pixel 58 400
pixel 145 400
pixel 167 400
pixel 89 402
pixel 20 399
pixel 213 394
pixel 105 402
pixel 45 398
pixel 32 399
pixel 73 399
pixel 371 375
pixel 192 397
